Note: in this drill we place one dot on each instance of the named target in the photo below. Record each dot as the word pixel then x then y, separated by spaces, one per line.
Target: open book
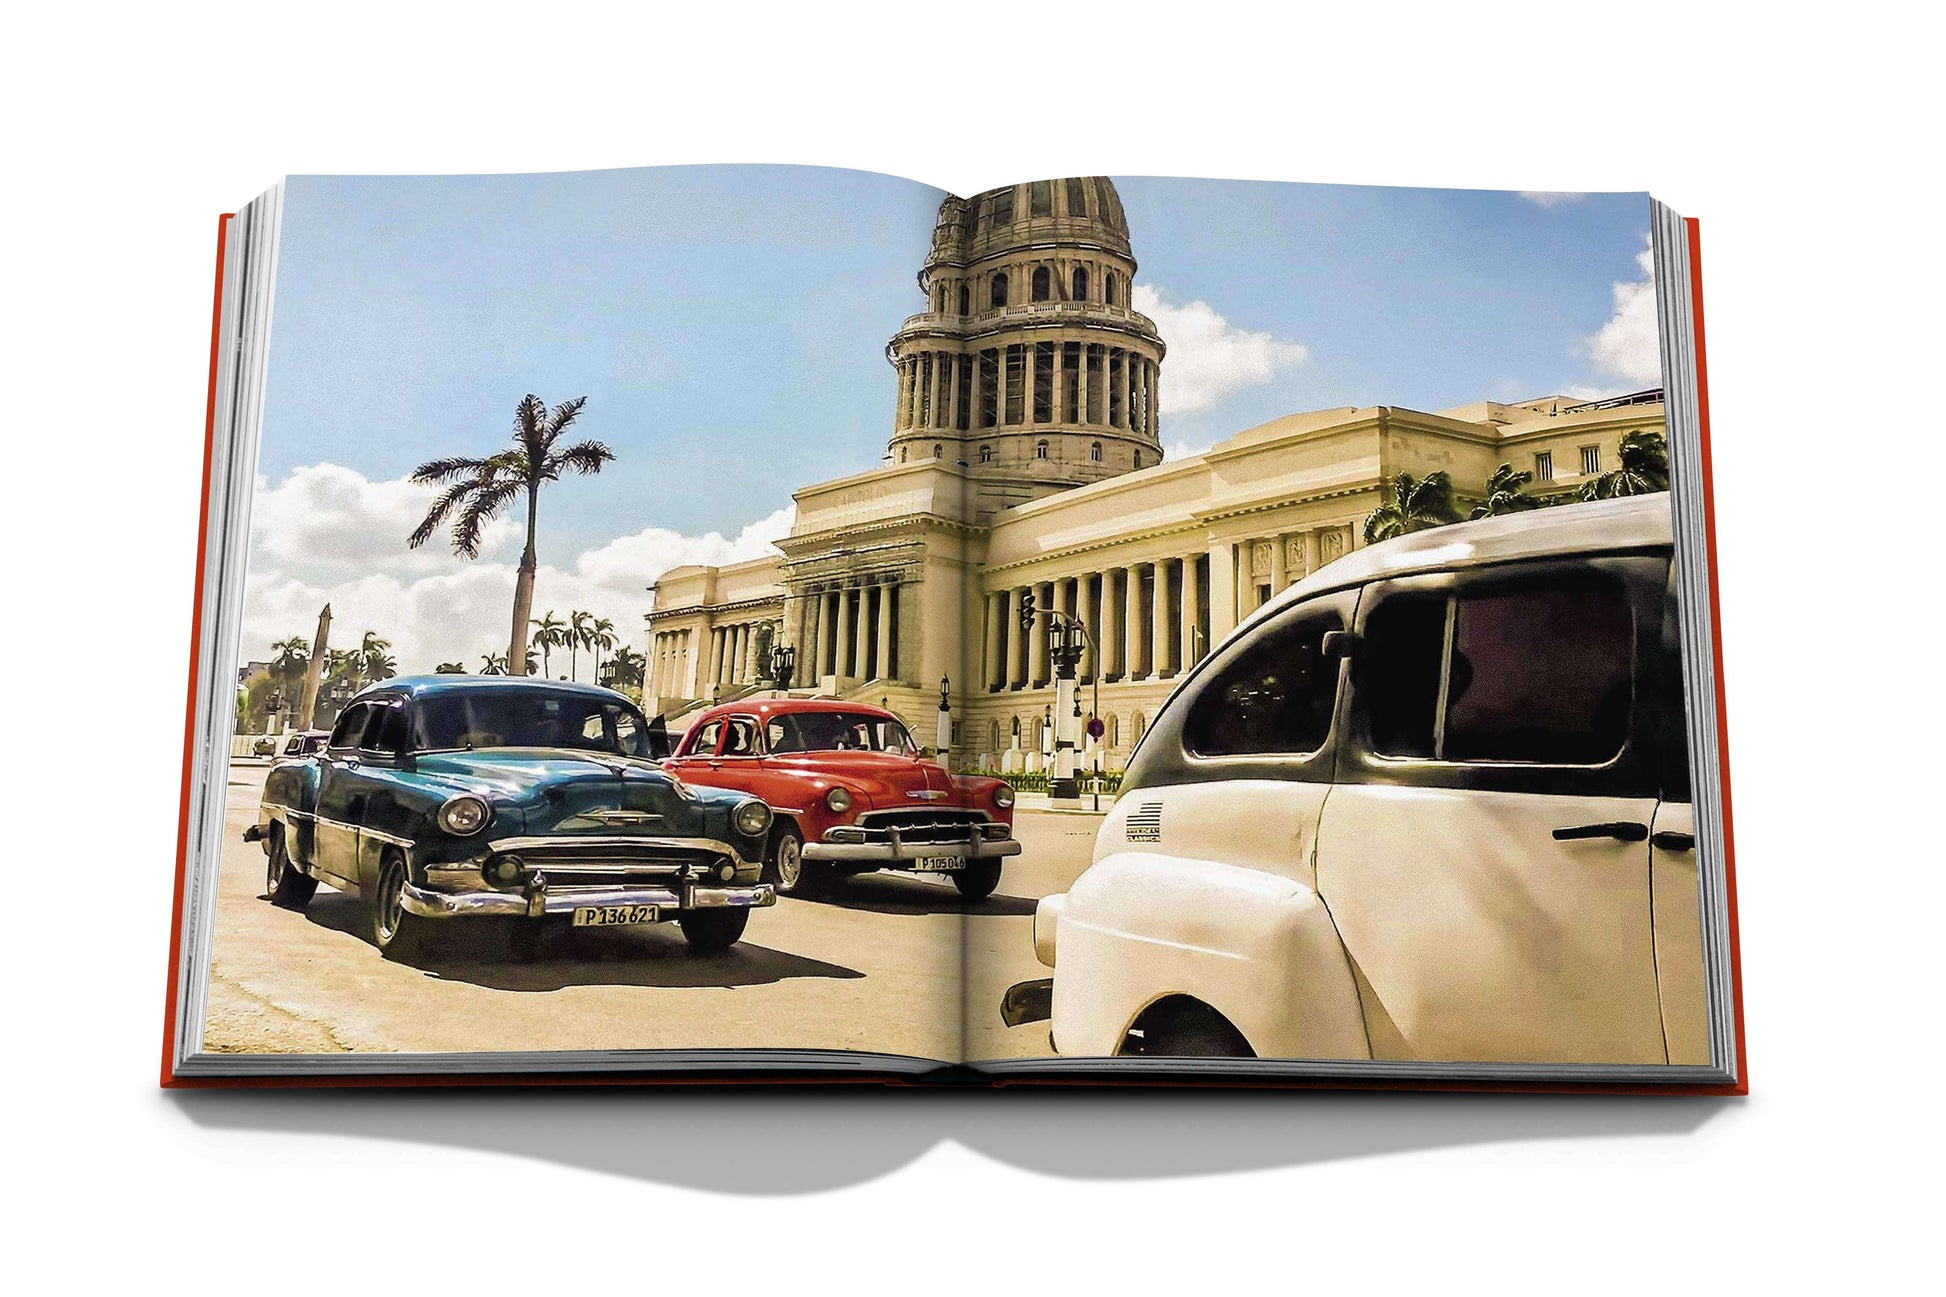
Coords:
pixel 641 631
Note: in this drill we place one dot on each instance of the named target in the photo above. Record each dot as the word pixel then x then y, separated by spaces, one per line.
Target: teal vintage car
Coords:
pixel 446 798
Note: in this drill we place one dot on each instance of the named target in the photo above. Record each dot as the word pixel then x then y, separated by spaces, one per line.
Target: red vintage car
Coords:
pixel 850 793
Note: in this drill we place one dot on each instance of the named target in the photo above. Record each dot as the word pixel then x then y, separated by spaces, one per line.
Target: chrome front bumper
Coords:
pixel 897 851
pixel 537 902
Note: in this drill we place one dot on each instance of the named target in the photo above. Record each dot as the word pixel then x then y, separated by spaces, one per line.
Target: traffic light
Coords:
pixel 1027 613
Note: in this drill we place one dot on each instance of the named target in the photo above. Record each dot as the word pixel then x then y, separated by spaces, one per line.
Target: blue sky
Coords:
pixel 728 327
pixel 727 324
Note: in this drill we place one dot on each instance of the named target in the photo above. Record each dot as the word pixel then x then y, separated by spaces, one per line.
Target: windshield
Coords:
pixel 527 718
pixel 837 732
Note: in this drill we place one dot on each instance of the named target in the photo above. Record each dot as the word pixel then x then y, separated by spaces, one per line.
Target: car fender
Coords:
pixel 290 798
pixel 1259 948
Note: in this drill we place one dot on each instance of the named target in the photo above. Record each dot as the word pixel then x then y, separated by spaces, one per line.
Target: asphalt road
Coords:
pixel 880 965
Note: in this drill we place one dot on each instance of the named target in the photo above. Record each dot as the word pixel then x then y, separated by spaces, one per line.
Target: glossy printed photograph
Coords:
pixel 768 608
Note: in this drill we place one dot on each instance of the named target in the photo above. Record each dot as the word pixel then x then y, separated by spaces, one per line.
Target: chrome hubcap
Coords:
pixel 790 863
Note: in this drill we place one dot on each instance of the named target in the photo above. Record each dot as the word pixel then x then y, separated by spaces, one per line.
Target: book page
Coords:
pixel 596 613
pixel 1330 635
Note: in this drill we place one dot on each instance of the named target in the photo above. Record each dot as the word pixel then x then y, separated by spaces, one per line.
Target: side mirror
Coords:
pixel 1340 644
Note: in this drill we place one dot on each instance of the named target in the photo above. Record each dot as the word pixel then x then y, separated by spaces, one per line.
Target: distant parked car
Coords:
pixel 444 798
pixel 850 792
pixel 1432 804
pixel 304 743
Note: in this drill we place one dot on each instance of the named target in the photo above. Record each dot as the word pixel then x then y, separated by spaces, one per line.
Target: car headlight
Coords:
pixel 838 800
pixel 464 815
pixel 1003 796
pixel 752 819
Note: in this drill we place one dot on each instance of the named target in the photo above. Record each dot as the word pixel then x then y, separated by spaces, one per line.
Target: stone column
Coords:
pixel 1159 633
pixel 1132 638
pixel 1111 628
pixel 952 389
pixel 1277 570
pixel 995 639
pixel 1192 613
pixel 1088 588
pixel 888 597
pixel 821 638
pixel 1013 645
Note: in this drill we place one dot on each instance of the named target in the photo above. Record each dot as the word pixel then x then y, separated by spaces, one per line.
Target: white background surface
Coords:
pixel 1808 146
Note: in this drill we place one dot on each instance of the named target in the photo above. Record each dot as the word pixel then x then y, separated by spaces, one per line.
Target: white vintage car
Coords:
pixel 1431 804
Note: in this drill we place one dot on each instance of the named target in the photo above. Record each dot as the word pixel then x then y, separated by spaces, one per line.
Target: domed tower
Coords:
pixel 1029 365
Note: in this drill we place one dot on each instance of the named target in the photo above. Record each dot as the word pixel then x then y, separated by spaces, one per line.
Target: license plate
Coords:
pixel 938 864
pixel 609 916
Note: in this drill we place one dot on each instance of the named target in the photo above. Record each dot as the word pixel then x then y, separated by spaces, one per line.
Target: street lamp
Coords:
pixel 783 663
pixel 945 735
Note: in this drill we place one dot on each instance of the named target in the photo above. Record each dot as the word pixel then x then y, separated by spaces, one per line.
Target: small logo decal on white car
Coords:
pixel 1144 823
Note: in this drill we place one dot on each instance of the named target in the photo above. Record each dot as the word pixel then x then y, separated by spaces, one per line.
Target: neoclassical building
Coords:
pixel 1026 455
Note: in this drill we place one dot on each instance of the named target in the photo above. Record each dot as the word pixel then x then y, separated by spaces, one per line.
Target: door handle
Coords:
pixel 1670 840
pixel 1620 830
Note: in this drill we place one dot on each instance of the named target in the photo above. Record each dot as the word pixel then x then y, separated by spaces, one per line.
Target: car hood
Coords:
pixel 885 779
pixel 560 791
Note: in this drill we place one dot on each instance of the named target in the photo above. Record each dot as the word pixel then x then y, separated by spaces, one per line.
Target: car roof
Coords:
pixel 421 686
pixel 765 708
pixel 1603 526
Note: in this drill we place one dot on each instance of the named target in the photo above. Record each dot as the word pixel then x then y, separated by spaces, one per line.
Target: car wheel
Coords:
pixel 710 931
pixel 396 931
pixel 287 887
pixel 977 881
pixel 786 869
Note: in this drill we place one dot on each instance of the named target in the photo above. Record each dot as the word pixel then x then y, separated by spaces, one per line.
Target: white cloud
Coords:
pixel 1628 346
pixel 327 534
pixel 1209 358
pixel 1551 197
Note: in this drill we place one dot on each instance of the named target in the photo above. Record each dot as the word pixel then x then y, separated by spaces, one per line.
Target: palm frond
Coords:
pixel 441 507
pixel 565 414
pixel 481 506
pixel 583 457
pixel 440 470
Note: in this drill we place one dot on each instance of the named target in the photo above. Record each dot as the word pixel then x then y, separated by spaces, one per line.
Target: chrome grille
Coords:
pixel 920 825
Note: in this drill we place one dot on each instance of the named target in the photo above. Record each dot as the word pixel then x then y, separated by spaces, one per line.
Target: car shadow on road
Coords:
pixel 482 954
pixel 899 894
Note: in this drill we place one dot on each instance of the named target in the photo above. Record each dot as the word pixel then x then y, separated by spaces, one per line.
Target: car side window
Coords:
pixel 1537 672
pixel 350 726
pixel 741 738
pixel 705 744
pixel 385 731
pixel 1542 674
pixel 1277 697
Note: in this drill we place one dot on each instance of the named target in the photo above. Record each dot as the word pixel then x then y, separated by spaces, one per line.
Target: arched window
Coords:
pixel 939 298
pixel 1111 289
pixel 1094 452
pixel 1136 726
pixel 1114 735
pixel 1080 293
pixel 1040 449
pixel 1043 283
pixel 1138 459
pixel 986 454
pixel 965 300
pixel 937 450
pixel 999 295
pixel 993 735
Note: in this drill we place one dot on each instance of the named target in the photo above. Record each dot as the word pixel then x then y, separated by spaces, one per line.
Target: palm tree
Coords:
pixel 480 488
pixel 289 659
pixel 549 634
pixel 449 669
pixel 626 667
pixel 1414 506
pixel 1506 493
pixel 493 664
pixel 374 663
pixel 579 624
pixel 345 664
pixel 1642 467
pixel 601 635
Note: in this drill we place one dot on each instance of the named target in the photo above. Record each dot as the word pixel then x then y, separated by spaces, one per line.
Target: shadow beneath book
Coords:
pixel 902 894
pixel 771 1140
